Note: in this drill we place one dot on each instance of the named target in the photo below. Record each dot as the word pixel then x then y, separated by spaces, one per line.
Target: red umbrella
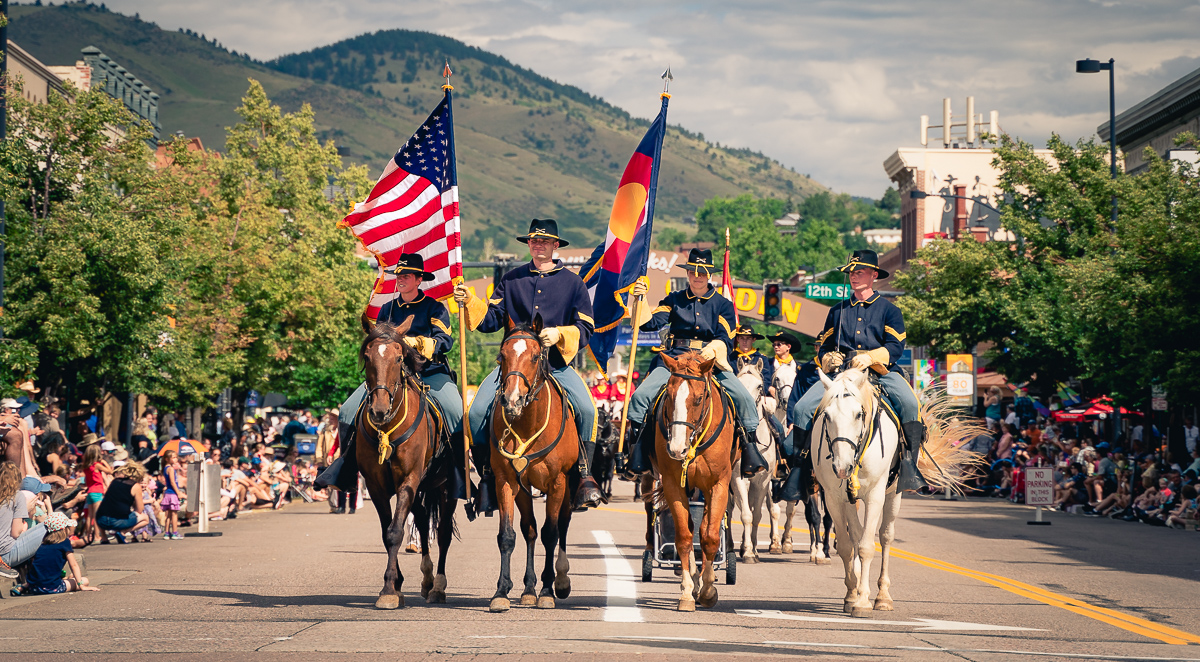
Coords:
pixel 1088 410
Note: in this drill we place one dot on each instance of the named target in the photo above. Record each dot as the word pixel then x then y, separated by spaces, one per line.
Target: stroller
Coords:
pixel 664 554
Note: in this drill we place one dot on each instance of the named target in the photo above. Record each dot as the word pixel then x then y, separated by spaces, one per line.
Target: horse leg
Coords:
pixel 554 504
pixel 710 542
pixel 506 540
pixel 887 534
pixel 677 498
pixel 774 513
pixel 421 521
pixel 842 516
pixel 865 548
pixel 787 526
pixel 562 566
pixel 814 514
pixel 529 532
pixel 445 534
pixel 649 503
pixel 393 536
pixel 740 501
pixel 827 525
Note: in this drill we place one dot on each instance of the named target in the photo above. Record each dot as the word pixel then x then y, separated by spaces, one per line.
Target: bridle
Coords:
pixel 858 445
pixel 540 370
pixel 705 399
pixel 406 378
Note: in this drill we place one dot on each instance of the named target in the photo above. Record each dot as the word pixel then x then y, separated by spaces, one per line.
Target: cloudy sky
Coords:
pixel 830 87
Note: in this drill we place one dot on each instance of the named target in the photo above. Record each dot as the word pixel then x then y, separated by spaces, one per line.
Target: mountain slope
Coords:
pixel 527 146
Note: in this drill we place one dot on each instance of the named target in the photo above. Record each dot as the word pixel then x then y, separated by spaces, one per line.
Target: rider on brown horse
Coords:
pixel 429 335
pixel 542 287
pixel 701 320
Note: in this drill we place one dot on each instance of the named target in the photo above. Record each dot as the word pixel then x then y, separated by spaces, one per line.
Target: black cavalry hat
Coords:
pixel 747 331
pixel 699 259
pixel 785 337
pixel 864 259
pixel 546 228
pixel 411 263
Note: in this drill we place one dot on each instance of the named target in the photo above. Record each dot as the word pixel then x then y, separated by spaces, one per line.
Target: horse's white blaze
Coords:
pixel 513 393
pixel 679 433
pixel 382 350
pixel 518 348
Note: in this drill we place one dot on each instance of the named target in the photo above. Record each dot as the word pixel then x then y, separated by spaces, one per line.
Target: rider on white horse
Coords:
pixel 870 330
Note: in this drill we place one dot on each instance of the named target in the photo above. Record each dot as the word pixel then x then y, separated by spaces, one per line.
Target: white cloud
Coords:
pixel 831 88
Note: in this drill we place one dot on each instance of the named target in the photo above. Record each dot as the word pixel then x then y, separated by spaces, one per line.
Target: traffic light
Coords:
pixel 772 300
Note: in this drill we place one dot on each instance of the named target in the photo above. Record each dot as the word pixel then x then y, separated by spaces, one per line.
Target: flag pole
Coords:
pixel 462 346
pixel 637 304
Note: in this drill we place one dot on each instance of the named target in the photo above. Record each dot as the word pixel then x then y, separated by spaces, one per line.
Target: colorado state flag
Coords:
pixel 617 263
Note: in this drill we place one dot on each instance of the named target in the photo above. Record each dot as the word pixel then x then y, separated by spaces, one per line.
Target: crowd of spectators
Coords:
pixel 1132 480
pixel 91 490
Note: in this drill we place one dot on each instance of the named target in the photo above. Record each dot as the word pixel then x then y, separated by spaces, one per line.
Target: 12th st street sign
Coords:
pixel 826 291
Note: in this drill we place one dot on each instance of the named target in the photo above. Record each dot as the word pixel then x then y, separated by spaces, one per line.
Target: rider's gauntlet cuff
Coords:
pixel 720 351
pixel 568 342
pixel 425 346
pixel 476 309
pixel 880 358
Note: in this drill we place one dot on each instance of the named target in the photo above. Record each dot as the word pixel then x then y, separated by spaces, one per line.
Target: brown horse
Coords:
pixel 402 451
pixel 694 449
pixel 536 445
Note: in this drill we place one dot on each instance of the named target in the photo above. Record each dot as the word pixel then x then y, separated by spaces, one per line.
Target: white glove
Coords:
pixel 550 336
pixel 832 361
pixel 861 361
pixel 708 353
pixel 461 293
pixel 413 341
pixel 640 288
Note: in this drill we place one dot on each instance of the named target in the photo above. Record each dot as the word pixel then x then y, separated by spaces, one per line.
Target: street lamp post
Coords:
pixel 1090 66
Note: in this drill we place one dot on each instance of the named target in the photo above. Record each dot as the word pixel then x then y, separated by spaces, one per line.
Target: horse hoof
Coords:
pixel 545 602
pixel 425 589
pixel 435 597
pixel 860 612
pixel 498 605
pixel 847 607
pixel 707 598
pixel 824 560
pixel 687 605
pixel 678 571
pixel 749 559
pixel 562 587
pixel 528 600
pixel 883 606
pixel 389 602
pixel 787 548
pixel 775 549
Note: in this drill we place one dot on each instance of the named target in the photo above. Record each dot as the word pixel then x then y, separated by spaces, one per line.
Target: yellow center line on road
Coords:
pixel 1103 614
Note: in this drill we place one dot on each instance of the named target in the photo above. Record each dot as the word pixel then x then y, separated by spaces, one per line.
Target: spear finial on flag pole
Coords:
pixel 447 73
pixel 667 78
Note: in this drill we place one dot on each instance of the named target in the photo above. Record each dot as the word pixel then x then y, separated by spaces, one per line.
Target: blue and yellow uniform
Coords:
pixel 742 359
pixel 559 296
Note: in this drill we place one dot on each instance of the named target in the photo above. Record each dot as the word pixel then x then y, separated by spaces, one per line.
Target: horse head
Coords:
pixel 751 377
pixel 847 408
pixel 523 367
pixel 688 396
pixel 387 361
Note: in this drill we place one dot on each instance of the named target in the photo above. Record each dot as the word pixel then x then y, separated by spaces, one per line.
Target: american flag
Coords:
pixel 413 208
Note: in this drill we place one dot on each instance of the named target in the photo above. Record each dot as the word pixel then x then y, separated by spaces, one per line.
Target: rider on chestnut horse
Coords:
pixel 542 287
pixel 700 319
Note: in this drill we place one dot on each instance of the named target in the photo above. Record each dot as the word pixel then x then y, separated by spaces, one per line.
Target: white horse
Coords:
pixel 751 494
pixel 855 446
pixel 783 381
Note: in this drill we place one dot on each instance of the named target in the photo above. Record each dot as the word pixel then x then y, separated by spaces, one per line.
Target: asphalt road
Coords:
pixel 970 579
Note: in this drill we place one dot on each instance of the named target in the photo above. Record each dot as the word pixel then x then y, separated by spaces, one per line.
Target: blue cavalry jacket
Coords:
pixel 864 325
pixel 701 318
pixel 806 376
pixel 558 295
pixel 430 319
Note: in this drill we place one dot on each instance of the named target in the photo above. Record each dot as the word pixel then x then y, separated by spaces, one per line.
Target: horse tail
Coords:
pixel 945 463
pixel 655 497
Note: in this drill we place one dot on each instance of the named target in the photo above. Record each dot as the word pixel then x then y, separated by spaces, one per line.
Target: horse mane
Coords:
pixel 385 331
pixel 861 392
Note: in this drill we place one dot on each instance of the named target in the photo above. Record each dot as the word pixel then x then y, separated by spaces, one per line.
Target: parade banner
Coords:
pixel 617 263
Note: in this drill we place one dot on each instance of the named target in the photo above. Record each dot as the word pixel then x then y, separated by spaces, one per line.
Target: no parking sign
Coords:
pixel 1039 486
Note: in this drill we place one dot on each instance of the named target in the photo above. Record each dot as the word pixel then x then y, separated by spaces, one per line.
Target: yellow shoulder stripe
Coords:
pixel 587 319
pixel 438 323
pixel 823 337
pixel 495 302
pixel 728 331
pixel 661 309
pixel 899 336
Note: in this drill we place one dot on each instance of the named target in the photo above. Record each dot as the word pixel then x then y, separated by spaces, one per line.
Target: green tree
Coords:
pixel 716 214
pixel 326 384
pixel 668 239
pixel 274 284
pixel 93 240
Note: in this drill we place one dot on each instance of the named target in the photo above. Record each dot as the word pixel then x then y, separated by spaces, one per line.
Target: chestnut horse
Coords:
pixel 694 448
pixel 535 445
pixel 403 451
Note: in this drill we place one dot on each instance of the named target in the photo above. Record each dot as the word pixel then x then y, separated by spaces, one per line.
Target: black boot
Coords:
pixel 343 473
pixel 485 496
pixel 799 479
pixel 640 447
pixel 588 495
pixel 752 459
pixel 910 477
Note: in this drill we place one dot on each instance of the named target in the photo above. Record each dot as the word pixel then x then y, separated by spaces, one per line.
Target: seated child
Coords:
pixel 46 566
